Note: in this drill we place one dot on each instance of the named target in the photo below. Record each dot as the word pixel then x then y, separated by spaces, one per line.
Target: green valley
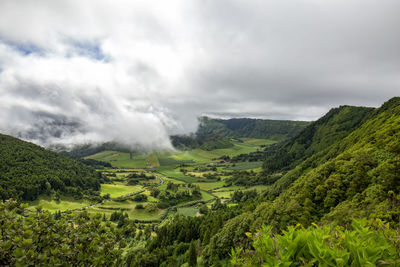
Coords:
pixel 339 172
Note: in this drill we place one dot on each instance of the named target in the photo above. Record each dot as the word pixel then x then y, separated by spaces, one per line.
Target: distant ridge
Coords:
pixel 277 130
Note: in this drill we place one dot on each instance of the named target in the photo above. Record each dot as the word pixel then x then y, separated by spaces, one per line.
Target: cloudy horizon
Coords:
pixel 136 71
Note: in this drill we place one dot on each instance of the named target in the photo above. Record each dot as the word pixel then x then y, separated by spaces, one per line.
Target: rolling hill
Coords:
pixel 28 170
pixel 357 176
pixel 317 136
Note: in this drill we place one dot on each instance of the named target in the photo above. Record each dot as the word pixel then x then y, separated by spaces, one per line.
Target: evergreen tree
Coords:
pixel 192 254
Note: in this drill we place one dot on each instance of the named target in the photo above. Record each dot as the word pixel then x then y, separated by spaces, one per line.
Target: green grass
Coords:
pixel 188 211
pixel 122 159
pixel 117 190
pixel 174 173
pixel 223 194
pixel 133 213
pixel 64 204
pixel 246 165
pixel 210 186
pixel 152 160
pixel 257 142
pixel 206 196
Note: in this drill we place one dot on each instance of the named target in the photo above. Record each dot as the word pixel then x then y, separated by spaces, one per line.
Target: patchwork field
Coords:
pixel 64 204
pixel 164 173
pixel 117 190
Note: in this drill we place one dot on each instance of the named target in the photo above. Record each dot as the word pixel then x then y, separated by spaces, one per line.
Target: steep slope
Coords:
pixel 278 130
pixel 28 170
pixel 203 141
pixel 317 136
pixel 358 176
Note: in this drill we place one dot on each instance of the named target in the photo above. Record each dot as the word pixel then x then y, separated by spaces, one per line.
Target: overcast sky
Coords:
pixel 134 71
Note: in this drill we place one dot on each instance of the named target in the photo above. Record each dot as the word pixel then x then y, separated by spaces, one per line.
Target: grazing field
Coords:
pixel 210 186
pixel 152 160
pixel 225 194
pixel 257 142
pixel 174 173
pixel 188 211
pixel 178 167
pixel 124 160
pixel 117 190
pixel 63 205
pixel 206 196
pixel 246 166
pixel 128 208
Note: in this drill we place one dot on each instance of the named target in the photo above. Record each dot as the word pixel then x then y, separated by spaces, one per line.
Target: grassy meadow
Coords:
pixel 177 167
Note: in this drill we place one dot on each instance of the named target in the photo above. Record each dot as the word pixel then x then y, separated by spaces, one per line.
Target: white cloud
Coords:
pixel 135 71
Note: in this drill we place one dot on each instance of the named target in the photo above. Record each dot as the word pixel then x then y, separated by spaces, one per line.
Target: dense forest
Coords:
pixel 333 199
pixel 208 141
pixel 28 170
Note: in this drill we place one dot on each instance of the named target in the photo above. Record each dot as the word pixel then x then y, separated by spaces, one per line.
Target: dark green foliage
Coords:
pixel 208 141
pixel 229 236
pixel 40 239
pixel 81 151
pixel 95 163
pixel 364 245
pixel 203 209
pixel 139 207
pixel 253 128
pixel 172 196
pixel 333 127
pixel 357 176
pixel 218 205
pixel 250 178
pixel 140 198
pixel 240 196
pixel 27 169
pixel 192 254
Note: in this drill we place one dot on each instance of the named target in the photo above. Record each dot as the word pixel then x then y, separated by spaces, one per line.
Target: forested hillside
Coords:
pixel 317 136
pixel 355 177
pixel 340 169
pixel 358 176
pixel 208 141
pixel 28 170
pixel 277 130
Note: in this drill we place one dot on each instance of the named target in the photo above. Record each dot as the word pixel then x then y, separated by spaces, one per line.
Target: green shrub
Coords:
pixel 366 244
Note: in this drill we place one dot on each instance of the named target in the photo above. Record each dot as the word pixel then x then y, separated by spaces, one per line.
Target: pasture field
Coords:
pixel 188 211
pixel 245 166
pixel 225 194
pixel 173 172
pixel 124 160
pixel 117 190
pixel 210 186
pixel 152 160
pixel 138 214
pixel 257 142
pixel 65 204
pixel 166 166
pixel 206 196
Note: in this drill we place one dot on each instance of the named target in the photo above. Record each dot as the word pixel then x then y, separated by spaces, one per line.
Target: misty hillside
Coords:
pixel 277 130
pixel 215 133
pixel 28 170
